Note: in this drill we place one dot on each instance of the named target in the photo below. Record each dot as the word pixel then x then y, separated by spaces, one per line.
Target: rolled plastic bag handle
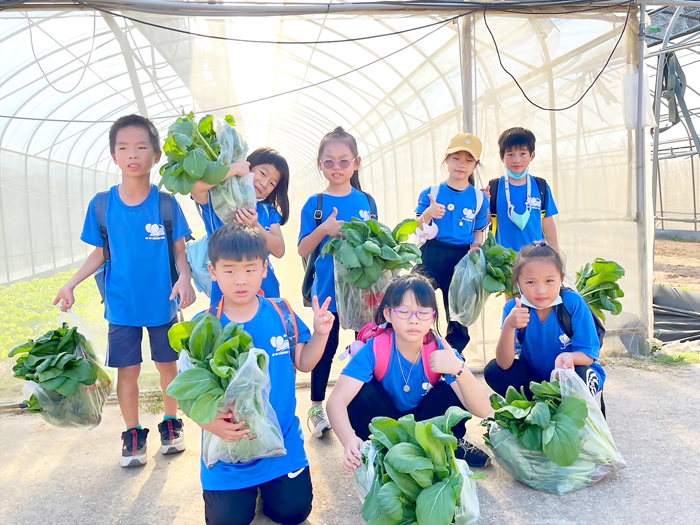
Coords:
pixel 429 231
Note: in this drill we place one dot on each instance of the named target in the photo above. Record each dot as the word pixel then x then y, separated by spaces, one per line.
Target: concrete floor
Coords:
pixel 72 476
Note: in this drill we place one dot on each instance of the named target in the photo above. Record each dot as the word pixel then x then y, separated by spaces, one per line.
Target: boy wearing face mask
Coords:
pixel 522 207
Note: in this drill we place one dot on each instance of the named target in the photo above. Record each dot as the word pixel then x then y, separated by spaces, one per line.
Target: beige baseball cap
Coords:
pixel 465 142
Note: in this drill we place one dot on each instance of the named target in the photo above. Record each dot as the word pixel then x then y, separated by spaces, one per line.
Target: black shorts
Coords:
pixel 124 345
pixel 286 500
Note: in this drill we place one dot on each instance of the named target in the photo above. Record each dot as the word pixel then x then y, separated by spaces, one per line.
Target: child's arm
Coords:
pixel 183 286
pixel 550 232
pixel 331 226
pixel 307 356
pixel 478 241
pixel 434 211
pixel 518 317
pixel 345 390
pixel 224 427
pixel 200 192
pixel 469 391
pixel 570 360
pixel 90 266
pixel 275 241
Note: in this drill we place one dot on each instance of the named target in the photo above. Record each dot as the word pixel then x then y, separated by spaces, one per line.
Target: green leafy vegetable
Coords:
pixel 597 284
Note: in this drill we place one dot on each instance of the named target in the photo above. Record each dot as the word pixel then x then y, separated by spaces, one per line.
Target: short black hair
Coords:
pixel 414 282
pixel 235 242
pixel 515 137
pixel 139 122
pixel 279 198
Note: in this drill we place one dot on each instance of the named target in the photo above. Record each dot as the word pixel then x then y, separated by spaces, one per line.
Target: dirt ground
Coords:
pixel 677 264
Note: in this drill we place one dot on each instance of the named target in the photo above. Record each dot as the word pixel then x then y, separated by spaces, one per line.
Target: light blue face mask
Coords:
pixel 520 219
pixel 530 305
pixel 517 176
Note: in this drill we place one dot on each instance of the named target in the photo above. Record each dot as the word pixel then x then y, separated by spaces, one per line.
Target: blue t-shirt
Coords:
pixel 544 341
pixel 269 333
pixel 267 216
pixel 137 280
pixel 459 224
pixel 355 204
pixel 361 367
pixel 507 233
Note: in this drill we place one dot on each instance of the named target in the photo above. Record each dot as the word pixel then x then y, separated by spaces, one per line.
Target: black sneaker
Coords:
pixel 474 456
pixel 172 436
pixel 134 447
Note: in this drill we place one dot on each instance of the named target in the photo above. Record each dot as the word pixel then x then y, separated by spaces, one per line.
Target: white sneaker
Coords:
pixel 318 421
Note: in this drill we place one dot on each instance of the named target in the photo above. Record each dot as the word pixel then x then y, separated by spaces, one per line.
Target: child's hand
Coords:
pixel 475 247
pixel 183 288
pixel 240 168
pixel 249 217
pixel 435 210
pixel 65 295
pixel 445 361
pixel 353 454
pixel 332 225
pixel 224 428
pixel 565 361
pixel 519 316
pixel 487 192
pixel 323 319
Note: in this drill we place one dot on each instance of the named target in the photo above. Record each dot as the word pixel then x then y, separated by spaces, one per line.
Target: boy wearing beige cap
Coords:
pixel 452 217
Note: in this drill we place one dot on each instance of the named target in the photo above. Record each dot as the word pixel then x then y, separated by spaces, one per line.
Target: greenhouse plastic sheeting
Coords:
pixel 676 314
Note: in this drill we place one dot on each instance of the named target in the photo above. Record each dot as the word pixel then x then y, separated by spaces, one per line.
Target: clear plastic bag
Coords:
pixel 84 408
pixel 599 456
pixel 198 257
pixel 467 295
pixel 235 193
pixel 365 473
pixel 356 307
pixel 248 397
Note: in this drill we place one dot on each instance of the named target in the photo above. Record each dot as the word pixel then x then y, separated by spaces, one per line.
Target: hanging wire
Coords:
pixel 612 53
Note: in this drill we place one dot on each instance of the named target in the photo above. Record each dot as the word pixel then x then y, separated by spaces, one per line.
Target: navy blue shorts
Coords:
pixel 124 345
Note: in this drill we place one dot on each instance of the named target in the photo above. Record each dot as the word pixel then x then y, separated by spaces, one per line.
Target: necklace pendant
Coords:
pixel 406 388
pixel 461 223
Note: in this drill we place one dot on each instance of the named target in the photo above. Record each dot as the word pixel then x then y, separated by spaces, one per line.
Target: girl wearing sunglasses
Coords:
pixel 321 219
pixel 404 370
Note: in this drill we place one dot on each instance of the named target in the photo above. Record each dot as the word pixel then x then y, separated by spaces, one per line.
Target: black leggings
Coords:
pixel 373 400
pixel 521 374
pixel 439 261
pixel 322 371
pixel 286 500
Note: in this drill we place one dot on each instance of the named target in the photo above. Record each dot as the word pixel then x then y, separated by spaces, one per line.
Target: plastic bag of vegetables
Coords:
pixel 559 453
pixel 467 295
pixel 66 386
pixel 235 193
pixel 221 371
pixel 356 307
pixel 409 473
pixel 198 257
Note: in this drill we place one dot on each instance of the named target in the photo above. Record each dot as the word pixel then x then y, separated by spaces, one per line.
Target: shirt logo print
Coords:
pixel 364 215
pixel 469 215
pixel 534 203
pixel 565 340
pixel 155 231
pixel 280 344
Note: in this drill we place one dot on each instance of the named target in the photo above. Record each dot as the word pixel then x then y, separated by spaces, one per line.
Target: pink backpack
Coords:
pixel 384 343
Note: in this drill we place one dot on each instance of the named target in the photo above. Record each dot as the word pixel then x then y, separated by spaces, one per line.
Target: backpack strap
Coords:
pixel 544 193
pixel 493 202
pixel 383 345
pixel 564 316
pixel 216 310
pixel 372 205
pixel 101 200
pixel 284 309
pixel 165 203
pixel 318 214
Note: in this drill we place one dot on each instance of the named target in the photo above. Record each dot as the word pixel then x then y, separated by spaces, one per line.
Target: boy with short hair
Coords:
pixel 522 207
pixel 127 228
pixel 238 255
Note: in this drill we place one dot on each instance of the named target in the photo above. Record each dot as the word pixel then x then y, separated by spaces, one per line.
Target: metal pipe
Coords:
pixel 674 48
pixel 677 219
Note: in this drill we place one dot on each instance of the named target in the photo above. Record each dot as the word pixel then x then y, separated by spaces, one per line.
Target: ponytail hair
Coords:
pixel 340 135
pixel 537 250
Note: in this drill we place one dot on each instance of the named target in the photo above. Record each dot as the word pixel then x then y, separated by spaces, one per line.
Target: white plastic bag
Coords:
pixel 198 257
pixel 84 408
pixel 599 456
pixel 356 307
pixel 466 294
pixel 364 474
pixel 468 511
pixel 248 397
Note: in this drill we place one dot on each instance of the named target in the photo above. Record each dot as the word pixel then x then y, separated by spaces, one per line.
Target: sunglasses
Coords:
pixel 421 315
pixel 342 164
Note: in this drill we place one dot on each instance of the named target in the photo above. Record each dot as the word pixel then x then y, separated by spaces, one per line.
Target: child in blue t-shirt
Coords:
pixel 522 207
pixel 452 216
pixel 139 290
pixel 343 199
pixel 533 321
pixel 404 386
pixel 238 255
pixel 271 189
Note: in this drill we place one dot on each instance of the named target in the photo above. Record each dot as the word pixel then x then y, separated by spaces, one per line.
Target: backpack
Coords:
pixel 285 312
pixel 166 213
pixel 564 318
pixel 493 189
pixel 383 345
pixel 309 261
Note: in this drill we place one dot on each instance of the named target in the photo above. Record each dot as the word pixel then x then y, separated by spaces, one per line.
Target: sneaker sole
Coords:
pixel 133 461
pixel 323 432
pixel 172 449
